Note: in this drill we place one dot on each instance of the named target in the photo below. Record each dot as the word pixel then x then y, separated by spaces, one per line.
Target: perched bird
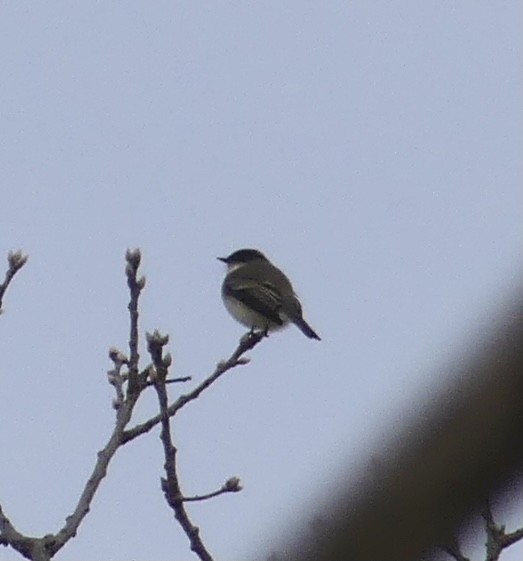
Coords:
pixel 259 295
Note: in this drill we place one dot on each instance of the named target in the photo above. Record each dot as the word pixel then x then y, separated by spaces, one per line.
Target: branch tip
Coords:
pixel 16 259
pixel 117 356
pixel 133 257
pixel 156 338
pixel 232 485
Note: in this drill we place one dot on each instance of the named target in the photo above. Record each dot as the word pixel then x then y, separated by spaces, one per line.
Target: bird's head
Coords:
pixel 241 257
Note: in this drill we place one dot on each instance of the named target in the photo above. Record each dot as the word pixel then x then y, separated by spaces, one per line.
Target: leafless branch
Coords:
pixel 123 405
pixel 128 387
pixel 497 539
pixel 16 261
pixel 171 485
pixel 43 549
pixel 100 471
pixel 136 285
pixel 232 485
pixel 179 380
pixel 30 548
pixel 513 537
pixel 248 342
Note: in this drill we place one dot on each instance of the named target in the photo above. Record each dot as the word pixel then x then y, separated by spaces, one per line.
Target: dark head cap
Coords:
pixel 243 256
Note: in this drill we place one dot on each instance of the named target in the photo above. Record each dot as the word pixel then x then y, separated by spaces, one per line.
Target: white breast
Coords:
pixel 251 319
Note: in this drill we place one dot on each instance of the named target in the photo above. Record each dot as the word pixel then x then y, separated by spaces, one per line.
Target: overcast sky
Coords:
pixel 372 149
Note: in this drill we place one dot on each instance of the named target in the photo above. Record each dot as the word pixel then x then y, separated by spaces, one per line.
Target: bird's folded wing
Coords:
pixel 263 298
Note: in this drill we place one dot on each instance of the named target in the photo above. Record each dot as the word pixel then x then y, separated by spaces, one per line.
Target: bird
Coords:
pixel 259 295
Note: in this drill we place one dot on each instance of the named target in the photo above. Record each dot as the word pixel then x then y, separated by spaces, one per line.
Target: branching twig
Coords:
pixel 43 549
pixel 171 485
pixel 16 261
pixel 497 539
pixel 247 343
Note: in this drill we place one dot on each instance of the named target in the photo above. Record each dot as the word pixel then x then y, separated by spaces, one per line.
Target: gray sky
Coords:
pixel 371 149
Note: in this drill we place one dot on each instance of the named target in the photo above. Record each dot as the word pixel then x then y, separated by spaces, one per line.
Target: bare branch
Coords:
pixel 179 380
pixel 9 535
pixel 124 407
pixel 232 485
pixel 497 539
pixel 16 261
pixel 136 285
pixel 493 533
pixel 247 343
pixel 99 472
pixel 43 549
pixel 512 537
pixel 171 485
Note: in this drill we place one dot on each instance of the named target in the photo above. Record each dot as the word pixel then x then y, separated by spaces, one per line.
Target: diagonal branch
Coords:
pixel 512 537
pixel 247 343
pixel 16 261
pixel 99 472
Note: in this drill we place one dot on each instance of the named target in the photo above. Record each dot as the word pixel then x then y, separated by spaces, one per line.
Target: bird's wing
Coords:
pixel 263 298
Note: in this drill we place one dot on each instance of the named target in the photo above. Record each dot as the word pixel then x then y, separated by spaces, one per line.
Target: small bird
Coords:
pixel 259 295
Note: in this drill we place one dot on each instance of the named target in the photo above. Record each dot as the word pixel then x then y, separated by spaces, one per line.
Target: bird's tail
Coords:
pixel 306 328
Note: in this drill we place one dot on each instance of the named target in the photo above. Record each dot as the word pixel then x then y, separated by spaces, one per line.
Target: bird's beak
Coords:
pixel 223 259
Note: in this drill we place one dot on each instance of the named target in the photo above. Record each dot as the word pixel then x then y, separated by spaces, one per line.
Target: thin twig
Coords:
pixel 247 343
pixel 133 258
pixel 16 261
pixel 171 485
pixel 232 485
pixel 179 380
pixel 196 498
